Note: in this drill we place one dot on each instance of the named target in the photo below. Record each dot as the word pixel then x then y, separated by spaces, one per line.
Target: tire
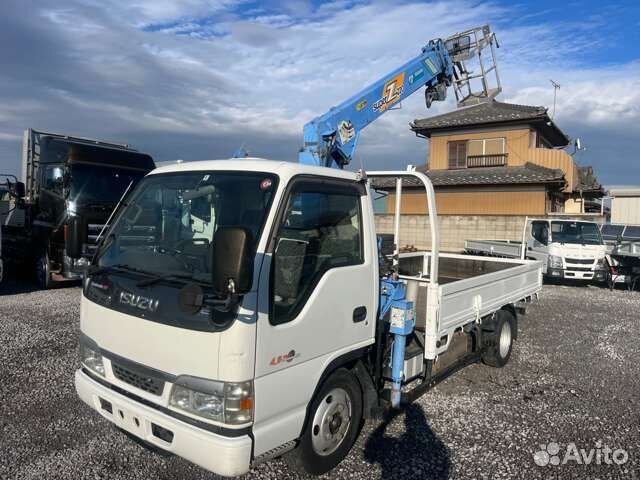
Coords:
pixel 42 272
pixel 332 426
pixel 497 339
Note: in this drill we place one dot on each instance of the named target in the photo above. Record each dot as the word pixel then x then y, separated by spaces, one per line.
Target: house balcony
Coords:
pixel 492 160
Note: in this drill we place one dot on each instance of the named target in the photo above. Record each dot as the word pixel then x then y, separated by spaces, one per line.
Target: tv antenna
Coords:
pixel 556 87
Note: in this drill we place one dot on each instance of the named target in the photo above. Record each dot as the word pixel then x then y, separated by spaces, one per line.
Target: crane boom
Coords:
pixel 330 140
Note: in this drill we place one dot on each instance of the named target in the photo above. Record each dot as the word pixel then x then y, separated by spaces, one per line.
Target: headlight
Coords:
pixel 554 261
pixel 600 264
pixel 72 208
pixel 90 356
pixel 226 402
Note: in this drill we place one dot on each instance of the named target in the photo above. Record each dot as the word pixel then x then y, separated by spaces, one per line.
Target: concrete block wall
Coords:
pixel 454 229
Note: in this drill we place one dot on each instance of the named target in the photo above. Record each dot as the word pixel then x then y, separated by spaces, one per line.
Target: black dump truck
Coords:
pixel 70 187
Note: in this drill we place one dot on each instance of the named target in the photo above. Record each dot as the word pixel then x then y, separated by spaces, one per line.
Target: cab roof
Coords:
pixel 254 164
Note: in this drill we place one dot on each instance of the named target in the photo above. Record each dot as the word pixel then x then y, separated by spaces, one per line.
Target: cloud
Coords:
pixel 197 78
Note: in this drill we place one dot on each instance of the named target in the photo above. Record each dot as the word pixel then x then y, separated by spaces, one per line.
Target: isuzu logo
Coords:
pixel 138 301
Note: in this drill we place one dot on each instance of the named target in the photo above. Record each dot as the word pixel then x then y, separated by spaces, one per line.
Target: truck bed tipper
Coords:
pixel 261 316
pixel 567 248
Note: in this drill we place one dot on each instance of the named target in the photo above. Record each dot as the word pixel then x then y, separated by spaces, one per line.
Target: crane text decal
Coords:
pixel 391 93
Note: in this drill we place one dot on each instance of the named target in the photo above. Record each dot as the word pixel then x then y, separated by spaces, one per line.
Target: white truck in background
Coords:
pixel 567 248
pixel 240 310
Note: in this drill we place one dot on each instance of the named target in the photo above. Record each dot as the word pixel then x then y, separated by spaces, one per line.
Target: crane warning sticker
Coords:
pixel 391 93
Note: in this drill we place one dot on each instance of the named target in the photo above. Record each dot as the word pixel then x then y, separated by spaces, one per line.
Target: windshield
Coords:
pixel 99 184
pixel 583 233
pixel 168 224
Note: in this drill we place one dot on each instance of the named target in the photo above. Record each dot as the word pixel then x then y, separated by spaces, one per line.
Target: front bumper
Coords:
pixel 597 275
pixel 227 456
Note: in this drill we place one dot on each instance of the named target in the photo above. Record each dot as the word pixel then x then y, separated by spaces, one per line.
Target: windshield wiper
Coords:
pixel 184 278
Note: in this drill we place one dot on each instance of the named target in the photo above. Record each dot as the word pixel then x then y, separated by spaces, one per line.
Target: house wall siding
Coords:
pixel 625 210
pixel 476 201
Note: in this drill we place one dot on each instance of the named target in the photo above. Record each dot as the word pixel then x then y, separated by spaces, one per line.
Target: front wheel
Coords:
pixel 332 425
pixel 43 272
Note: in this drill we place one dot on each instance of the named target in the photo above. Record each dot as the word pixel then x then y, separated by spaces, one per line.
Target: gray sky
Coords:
pixel 196 79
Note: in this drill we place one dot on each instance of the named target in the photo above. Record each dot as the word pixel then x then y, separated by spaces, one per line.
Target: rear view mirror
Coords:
pixel 231 262
pixel 18 190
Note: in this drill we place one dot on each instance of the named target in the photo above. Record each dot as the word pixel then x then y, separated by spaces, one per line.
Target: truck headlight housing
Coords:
pixel 226 402
pixel 554 261
pixel 72 208
pixel 600 264
pixel 90 356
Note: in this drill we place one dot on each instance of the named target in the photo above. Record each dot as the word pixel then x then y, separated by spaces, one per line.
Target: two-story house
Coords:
pixel 492 165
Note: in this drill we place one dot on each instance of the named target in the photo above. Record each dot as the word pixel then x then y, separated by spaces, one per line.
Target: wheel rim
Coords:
pixel 505 339
pixel 331 422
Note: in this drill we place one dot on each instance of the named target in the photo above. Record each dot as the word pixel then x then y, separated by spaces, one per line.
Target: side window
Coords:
pixel 53 179
pixel 319 231
pixel 540 231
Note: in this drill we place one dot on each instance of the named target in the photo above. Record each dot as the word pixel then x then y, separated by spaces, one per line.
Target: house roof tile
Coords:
pixel 492 113
pixel 526 174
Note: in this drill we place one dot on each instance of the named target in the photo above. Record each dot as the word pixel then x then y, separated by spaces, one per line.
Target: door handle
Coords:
pixel 359 314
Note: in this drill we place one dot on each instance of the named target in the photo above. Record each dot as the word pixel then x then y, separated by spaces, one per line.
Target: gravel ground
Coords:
pixel 571 384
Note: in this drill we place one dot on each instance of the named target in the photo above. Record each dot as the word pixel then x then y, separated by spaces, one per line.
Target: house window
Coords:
pixel 458 154
pixel 486 152
pixel 486 146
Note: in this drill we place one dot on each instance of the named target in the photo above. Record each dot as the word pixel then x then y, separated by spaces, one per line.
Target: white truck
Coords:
pixel 567 248
pixel 242 310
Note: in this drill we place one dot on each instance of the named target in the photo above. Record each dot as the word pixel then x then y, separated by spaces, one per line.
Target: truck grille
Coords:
pixel 580 261
pixel 138 379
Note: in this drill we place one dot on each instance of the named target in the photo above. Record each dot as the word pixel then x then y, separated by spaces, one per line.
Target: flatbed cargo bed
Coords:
pixel 495 248
pixel 469 288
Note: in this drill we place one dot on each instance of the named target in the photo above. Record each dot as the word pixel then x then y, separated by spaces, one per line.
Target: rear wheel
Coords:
pixel 497 337
pixel 332 425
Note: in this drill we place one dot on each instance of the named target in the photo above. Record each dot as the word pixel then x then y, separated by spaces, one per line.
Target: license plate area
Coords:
pixel 135 424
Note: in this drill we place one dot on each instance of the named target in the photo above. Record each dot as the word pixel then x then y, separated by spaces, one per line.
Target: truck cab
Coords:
pixel 570 249
pixel 192 340
pixel 71 187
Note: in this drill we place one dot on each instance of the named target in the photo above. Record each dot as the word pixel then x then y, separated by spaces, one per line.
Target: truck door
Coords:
pixel 51 202
pixel 322 300
pixel 538 242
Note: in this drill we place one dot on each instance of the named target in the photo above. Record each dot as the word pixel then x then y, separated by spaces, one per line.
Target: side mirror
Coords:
pixel 17 189
pixel 231 262
pixel 75 235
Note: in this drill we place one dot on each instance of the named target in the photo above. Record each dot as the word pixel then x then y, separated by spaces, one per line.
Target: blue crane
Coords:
pixel 330 140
